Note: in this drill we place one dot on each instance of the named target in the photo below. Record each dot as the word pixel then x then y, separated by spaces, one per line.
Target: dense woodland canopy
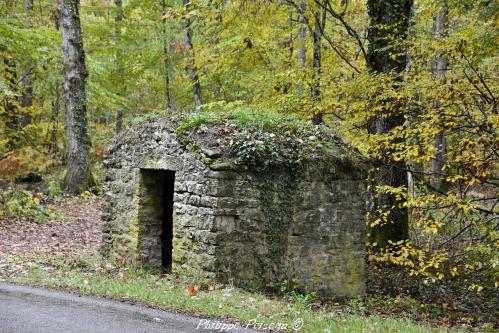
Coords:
pixel 412 85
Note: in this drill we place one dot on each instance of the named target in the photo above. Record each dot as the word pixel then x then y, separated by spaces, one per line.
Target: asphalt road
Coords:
pixel 34 310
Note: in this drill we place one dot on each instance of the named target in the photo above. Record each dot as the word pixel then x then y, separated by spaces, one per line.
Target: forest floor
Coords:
pixel 74 230
pixel 62 252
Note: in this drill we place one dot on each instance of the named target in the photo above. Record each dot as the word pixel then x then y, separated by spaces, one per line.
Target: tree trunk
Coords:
pixel 166 74
pixel 78 177
pixel 27 85
pixel 172 53
pixel 217 89
pixel 389 23
pixel 290 46
pixel 440 27
pixel 120 71
pixel 301 51
pixel 412 167
pixel 191 66
pixel 11 105
pixel 319 26
pixel 56 106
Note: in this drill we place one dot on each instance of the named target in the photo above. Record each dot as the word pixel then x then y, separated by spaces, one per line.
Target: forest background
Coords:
pixel 411 85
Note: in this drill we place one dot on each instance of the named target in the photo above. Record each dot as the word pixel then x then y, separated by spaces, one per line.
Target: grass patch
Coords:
pixel 216 301
pixel 250 117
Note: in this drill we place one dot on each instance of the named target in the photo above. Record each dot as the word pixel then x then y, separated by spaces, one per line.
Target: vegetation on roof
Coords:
pixel 254 118
pixel 259 139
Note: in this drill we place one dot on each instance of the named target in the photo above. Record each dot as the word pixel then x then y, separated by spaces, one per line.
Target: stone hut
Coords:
pixel 254 206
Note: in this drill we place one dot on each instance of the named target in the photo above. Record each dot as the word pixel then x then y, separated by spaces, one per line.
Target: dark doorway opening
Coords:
pixel 167 232
pixel 156 218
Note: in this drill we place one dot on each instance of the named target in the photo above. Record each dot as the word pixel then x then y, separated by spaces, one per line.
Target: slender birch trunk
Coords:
pixel 319 26
pixel 301 51
pixel 166 65
pixel 11 105
pixel 26 83
pixel 191 66
pixel 120 71
pixel 440 63
pixel 56 106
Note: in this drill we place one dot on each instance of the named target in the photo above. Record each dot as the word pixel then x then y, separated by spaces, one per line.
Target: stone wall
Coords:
pixel 252 228
pixel 310 230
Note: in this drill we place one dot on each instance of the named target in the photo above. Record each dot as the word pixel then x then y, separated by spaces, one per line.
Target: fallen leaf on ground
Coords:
pixel 192 290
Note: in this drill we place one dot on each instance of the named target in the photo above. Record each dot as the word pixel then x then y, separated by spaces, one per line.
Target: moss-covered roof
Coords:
pixel 257 140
